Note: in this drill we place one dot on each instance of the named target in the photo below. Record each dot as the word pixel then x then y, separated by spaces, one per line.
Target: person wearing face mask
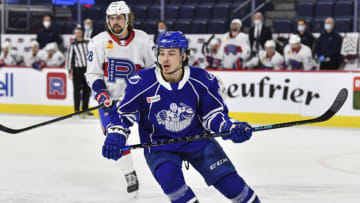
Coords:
pixel 89 31
pixel 48 33
pixel 259 34
pixel 298 56
pixel 161 29
pixel 306 37
pixel 235 48
pixel 328 47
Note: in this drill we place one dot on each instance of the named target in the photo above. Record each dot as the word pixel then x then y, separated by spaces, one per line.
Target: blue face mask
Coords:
pixel 301 28
pixel 327 26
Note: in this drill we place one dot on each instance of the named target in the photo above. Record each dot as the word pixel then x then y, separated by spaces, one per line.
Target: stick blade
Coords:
pixel 336 106
pixel 8 130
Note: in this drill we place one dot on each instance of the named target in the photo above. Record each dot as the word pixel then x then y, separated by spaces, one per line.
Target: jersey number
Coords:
pixel 120 68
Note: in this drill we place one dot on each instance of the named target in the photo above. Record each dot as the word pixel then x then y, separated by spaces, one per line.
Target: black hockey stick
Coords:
pixel 334 108
pixel 14 131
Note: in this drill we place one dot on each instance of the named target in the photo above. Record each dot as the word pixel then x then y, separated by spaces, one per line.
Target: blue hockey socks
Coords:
pixel 171 179
pixel 235 189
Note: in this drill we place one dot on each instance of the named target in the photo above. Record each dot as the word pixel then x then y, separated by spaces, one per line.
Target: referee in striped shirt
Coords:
pixel 76 65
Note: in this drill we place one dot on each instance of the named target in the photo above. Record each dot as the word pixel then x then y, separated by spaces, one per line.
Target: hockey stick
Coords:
pixel 334 108
pixel 14 131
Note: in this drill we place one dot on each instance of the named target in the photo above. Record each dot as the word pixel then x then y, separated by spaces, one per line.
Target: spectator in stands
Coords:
pixel 36 54
pixel 89 29
pixel 328 47
pixel 268 59
pixel 259 34
pixel 48 34
pixel 306 37
pixel 9 57
pixel 54 57
pixel 161 29
pixel 298 56
pixel 235 46
pixel 213 59
pixel 76 65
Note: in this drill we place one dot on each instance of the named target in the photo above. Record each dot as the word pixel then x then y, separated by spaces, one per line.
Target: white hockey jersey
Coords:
pixel 57 59
pixel 113 60
pixel 29 59
pixel 234 48
pixel 301 59
pixel 11 59
pixel 275 62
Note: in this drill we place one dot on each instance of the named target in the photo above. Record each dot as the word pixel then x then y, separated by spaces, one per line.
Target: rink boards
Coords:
pixel 254 96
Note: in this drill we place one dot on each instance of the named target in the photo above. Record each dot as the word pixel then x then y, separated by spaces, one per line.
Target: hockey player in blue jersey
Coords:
pixel 176 100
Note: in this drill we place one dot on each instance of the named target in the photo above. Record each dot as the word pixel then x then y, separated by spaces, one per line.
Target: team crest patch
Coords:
pixel 176 118
pixel 134 79
pixel 110 45
pixel 153 99
pixel 210 76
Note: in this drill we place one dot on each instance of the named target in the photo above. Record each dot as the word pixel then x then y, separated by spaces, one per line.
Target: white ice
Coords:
pixel 62 162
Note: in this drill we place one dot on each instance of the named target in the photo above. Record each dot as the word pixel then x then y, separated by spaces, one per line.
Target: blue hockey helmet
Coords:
pixel 173 40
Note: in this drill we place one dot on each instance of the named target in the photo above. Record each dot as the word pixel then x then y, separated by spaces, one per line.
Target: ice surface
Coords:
pixel 62 162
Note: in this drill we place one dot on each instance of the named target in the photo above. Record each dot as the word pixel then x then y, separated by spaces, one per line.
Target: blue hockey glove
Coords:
pixel 240 131
pixel 38 65
pixel 115 140
pixel 103 97
pixel 321 58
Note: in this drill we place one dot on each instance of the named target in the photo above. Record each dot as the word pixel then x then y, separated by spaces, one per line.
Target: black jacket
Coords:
pixel 329 45
pixel 307 38
pixel 265 35
pixel 48 35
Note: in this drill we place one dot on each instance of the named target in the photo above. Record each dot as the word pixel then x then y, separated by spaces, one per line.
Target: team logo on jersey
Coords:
pixel 232 49
pixel 110 45
pixel 120 68
pixel 177 118
pixel 134 79
pixel 210 76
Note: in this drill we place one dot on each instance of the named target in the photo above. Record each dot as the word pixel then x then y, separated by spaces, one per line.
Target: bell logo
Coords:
pixel 56 85
pixel 356 99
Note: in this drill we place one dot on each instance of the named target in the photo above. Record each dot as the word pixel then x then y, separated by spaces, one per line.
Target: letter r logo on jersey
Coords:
pixel 119 68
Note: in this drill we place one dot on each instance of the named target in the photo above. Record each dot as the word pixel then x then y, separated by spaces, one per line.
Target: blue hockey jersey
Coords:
pixel 192 106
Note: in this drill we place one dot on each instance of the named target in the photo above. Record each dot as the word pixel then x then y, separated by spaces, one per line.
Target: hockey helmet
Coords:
pixel 117 8
pixel 270 43
pixel 173 40
pixel 294 39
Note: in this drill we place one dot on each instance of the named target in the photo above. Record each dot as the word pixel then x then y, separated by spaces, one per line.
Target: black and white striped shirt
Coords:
pixel 76 55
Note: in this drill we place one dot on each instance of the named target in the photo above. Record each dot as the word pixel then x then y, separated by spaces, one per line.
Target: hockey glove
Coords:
pixel 103 97
pixel 240 131
pixel 115 140
pixel 295 64
pixel 321 58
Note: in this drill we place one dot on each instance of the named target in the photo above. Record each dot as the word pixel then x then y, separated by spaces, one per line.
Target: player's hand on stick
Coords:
pixel 103 97
pixel 240 131
pixel 116 137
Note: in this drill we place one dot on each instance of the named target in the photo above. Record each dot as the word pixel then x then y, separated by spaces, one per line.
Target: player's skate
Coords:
pixel 133 183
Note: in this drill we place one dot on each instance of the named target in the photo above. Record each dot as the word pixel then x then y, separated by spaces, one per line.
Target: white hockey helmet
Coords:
pixel 34 43
pixel 294 39
pixel 270 43
pixel 117 8
pixel 51 46
pixel 214 42
pixel 6 44
pixel 237 21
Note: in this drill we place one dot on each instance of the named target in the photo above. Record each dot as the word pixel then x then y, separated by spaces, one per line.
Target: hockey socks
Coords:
pixel 171 179
pixel 127 167
pixel 235 189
